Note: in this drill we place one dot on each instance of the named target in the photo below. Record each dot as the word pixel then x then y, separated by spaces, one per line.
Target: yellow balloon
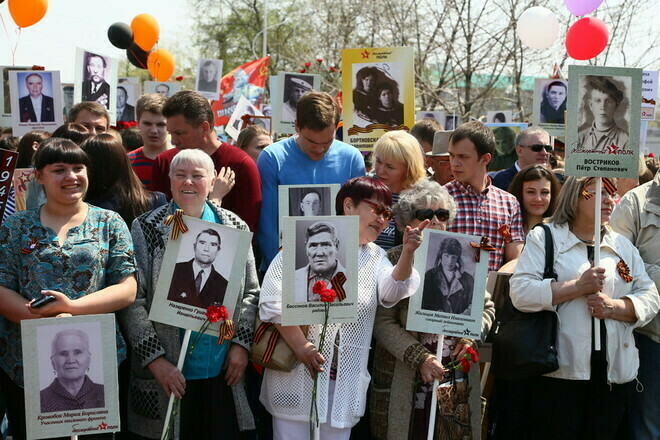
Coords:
pixel 145 31
pixel 161 64
pixel 27 12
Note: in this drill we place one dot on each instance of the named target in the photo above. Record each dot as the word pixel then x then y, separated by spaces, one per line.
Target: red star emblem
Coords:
pixel 103 426
pixel 612 149
pixel 366 54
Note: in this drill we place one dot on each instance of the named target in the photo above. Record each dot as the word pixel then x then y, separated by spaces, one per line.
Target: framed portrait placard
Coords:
pixel 505 144
pixel 306 201
pixel 202 267
pixel 95 79
pixel 5 103
pixel 236 122
pixel 127 96
pixel 207 82
pixel 378 88
pixel 36 101
pixel 450 298
pixel 166 89
pixel 649 94
pixel 65 354
pixel 550 98
pixel 319 249
pixel 499 117
pixel 291 87
pixel 431 114
pixel 603 120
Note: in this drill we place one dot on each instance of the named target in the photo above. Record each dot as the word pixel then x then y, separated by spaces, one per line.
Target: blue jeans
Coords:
pixel 645 406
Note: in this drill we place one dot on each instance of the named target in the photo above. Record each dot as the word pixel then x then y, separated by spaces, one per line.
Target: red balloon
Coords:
pixel 586 38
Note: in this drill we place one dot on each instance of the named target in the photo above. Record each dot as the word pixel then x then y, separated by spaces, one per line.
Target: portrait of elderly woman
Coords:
pixel 603 110
pixel 447 288
pixel 71 389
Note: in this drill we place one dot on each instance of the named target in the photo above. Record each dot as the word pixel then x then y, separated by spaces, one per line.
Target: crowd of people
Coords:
pixel 93 224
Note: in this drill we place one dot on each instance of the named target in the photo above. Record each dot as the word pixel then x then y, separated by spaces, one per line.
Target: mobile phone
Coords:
pixel 42 301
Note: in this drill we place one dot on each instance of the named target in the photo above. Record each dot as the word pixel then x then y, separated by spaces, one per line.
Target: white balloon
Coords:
pixel 538 27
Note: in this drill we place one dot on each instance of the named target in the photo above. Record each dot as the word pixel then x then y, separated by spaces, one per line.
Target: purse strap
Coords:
pixel 549 270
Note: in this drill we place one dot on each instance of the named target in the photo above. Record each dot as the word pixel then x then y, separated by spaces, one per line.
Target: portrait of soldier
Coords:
pixel 600 102
pixel 294 89
pixel 36 107
pixel 553 104
pixel 208 80
pixel 163 90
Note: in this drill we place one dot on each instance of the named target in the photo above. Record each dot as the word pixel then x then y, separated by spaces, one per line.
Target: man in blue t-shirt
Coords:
pixel 311 156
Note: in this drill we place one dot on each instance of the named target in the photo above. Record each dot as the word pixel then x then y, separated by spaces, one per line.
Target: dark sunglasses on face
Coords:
pixel 428 214
pixel 536 148
pixel 379 209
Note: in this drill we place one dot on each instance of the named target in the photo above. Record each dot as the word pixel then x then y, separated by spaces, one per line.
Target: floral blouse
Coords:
pixel 96 254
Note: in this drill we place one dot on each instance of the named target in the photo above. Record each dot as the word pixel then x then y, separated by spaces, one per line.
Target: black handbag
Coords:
pixel 525 344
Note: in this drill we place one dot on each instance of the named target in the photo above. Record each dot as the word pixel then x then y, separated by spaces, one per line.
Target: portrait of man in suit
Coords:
pixel 163 90
pixel 125 111
pixel 321 245
pixel 196 282
pixel 36 107
pixel 208 77
pixel 95 87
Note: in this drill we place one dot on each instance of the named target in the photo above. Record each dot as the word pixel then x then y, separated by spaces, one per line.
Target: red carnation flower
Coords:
pixel 303 70
pixel 465 365
pixel 474 356
pixel 179 78
pixel 332 69
pixel 308 64
pixel 319 60
pixel 328 295
pixel 319 287
pixel 215 314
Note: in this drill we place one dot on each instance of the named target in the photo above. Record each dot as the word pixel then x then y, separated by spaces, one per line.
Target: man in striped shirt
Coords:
pixel 153 129
pixel 483 209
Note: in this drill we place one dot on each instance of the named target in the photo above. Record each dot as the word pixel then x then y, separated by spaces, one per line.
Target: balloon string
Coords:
pixel 13 52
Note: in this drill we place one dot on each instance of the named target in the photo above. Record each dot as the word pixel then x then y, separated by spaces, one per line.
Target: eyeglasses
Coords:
pixel 536 148
pixel 428 214
pixel 379 209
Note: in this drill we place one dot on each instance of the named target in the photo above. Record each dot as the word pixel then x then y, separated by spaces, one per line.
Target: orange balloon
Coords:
pixel 145 31
pixel 27 12
pixel 161 64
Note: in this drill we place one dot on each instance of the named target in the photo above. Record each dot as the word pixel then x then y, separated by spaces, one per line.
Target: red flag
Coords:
pixel 247 80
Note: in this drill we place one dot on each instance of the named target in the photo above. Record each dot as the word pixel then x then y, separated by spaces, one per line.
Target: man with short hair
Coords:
pixel 311 156
pixel 553 105
pixel 163 90
pixel 438 158
pixel 533 148
pixel 321 246
pixel 190 123
pixel 95 88
pixel 92 115
pixel 125 111
pixel 310 203
pixel 297 88
pixel 602 98
pixel 153 130
pixel 208 82
pixel 482 209
pixel 424 131
pixel 196 282
pixel 36 107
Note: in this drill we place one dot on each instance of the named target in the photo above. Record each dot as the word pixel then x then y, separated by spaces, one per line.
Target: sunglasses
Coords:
pixel 379 209
pixel 428 214
pixel 536 148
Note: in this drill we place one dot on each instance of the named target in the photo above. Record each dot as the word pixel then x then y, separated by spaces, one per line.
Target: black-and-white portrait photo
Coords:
pixel 499 117
pixel 553 102
pixel 449 279
pixel 451 122
pixel 604 113
pixel 165 89
pixel 67 98
pixel 432 114
pixel 377 94
pixel 196 280
pixel 95 86
pixel 308 202
pixel 295 86
pixel 126 96
pixel 320 256
pixel 208 75
pixel 35 91
pixel 71 367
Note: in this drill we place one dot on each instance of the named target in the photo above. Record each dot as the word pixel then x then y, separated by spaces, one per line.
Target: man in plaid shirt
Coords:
pixel 483 209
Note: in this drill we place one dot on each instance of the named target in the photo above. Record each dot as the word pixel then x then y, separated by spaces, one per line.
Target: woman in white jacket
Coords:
pixel 342 367
pixel 586 396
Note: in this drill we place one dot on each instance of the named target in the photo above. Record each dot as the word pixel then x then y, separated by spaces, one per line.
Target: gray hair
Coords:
pixel 522 136
pixel 69 332
pixel 420 196
pixel 193 157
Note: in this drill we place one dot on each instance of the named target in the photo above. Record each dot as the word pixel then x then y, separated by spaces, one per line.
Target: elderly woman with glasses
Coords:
pixel 586 397
pixel 343 378
pixel 403 357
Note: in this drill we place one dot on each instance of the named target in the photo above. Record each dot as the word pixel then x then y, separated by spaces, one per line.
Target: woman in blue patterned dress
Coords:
pixel 79 254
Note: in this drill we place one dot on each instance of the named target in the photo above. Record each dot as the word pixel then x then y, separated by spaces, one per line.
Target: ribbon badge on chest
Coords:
pixel 34 243
pixel 624 271
pixel 485 245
